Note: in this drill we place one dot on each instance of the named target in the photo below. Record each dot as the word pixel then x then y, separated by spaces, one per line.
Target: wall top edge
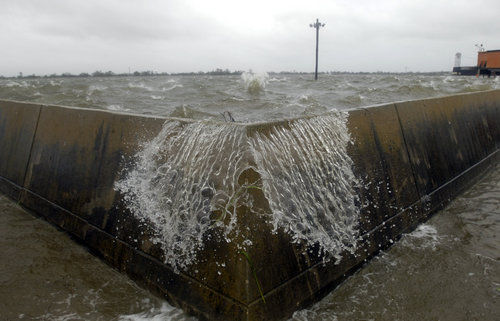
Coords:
pixel 249 125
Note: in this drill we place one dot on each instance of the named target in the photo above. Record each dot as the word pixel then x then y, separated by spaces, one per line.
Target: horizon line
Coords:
pixel 216 72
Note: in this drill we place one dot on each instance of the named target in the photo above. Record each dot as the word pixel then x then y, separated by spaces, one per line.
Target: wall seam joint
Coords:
pixel 407 152
pixel 31 147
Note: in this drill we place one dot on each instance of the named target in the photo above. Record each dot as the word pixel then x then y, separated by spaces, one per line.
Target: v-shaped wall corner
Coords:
pixel 408 159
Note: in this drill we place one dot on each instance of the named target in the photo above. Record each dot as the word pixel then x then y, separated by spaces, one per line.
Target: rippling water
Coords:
pixel 250 97
pixel 448 269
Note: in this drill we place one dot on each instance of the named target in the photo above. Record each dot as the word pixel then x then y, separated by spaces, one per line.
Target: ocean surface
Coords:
pixel 447 269
pixel 248 98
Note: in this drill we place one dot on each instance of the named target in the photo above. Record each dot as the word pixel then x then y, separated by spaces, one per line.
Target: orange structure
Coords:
pixel 488 64
pixel 488 59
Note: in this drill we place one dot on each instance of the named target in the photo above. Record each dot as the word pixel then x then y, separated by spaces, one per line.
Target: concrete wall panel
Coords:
pixel 446 136
pixel 77 154
pixel 410 159
pixel 381 163
pixel 17 129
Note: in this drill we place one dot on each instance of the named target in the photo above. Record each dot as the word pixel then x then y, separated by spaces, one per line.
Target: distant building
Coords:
pixel 488 64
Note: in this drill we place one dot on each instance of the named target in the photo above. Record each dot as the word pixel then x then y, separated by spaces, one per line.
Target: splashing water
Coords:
pixel 164 313
pixel 309 182
pixel 425 236
pixel 185 173
pixel 191 170
pixel 255 83
pixel 249 97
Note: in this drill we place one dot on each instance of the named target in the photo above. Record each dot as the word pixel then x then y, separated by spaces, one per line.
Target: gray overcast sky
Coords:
pixel 55 36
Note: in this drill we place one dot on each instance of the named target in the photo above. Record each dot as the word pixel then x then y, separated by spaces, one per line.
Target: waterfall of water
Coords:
pixel 179 178
pixel 191 170
pixel 308 181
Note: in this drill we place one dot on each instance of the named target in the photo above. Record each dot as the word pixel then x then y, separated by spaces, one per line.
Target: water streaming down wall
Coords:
pixel 184 183
pixel 307 178
pixel 179 178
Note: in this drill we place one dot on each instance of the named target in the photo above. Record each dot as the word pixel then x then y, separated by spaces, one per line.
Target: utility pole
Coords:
pixel 316 25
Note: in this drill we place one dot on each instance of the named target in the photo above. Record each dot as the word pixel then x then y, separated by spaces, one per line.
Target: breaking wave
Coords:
pixel 276 93
pixel 255 83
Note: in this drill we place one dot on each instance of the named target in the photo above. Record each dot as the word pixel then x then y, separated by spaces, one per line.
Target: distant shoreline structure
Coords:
pixel 488 64
pixel 217 72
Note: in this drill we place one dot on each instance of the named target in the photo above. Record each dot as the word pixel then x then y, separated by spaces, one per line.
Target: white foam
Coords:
pixel 255 83
pixel 12 83
pixel 115 107
pixel 55 83
pixel 425 231
pixel 172 87
pixel 165 313
pixel 423 237
pixel 65 317
pixel 274 79
pixel 139 85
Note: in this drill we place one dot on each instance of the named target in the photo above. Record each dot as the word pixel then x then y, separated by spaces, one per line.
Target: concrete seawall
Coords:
pixel 400 162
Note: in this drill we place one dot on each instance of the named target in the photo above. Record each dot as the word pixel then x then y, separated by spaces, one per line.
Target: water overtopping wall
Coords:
pixel 244 221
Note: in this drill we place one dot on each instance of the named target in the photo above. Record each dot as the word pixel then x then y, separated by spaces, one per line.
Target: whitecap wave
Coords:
pixel 255 83
pixel 139 85
pixel 274 79
pixel 164 313
pixel 95 87
pixel 425 236
pixel 116 107
pixel 172 87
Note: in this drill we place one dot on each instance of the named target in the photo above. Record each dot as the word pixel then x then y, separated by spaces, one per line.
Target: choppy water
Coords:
pixel 448 269
pixel 250 97
pixel 45 276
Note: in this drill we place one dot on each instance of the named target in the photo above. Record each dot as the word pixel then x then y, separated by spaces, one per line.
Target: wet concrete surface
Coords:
pixel 448 269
